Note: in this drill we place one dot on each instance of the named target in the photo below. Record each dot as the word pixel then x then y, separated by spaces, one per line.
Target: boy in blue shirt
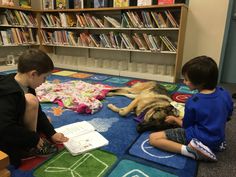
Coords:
pixel 202 129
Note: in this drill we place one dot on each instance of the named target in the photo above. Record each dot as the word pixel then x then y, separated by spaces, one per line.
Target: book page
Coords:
pixel 85 142
pixel 76 129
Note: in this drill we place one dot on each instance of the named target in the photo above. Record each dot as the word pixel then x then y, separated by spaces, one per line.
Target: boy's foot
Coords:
pixel 200 151
pixel 27 155
pixel 46 150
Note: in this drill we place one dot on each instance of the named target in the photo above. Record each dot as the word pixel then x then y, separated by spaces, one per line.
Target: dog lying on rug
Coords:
pixel 150 100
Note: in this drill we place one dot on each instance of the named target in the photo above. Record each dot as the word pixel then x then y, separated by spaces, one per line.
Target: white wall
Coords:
pixel 205 28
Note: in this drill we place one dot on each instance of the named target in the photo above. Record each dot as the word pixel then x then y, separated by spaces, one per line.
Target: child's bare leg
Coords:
pixel 31 111
pixel 159 140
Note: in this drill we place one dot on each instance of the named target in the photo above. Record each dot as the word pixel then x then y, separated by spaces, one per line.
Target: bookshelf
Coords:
pixel 145 42
pixel 142 42
pixel 18 31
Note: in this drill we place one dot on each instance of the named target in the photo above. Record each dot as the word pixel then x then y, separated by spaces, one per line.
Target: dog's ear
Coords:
pixel 171 110
pixel 161 89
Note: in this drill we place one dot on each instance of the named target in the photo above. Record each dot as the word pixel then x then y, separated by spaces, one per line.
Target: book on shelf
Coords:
pixel 9 2
pixel 48 4
pixel 5 2
pixel 82 137
pixel 171 19
pixel 78 4
pixel 100 3
pixel 112 21
pixel 125 21
pixel 162 2
pixel 71 20
pixel 144 2
pixel 3 20
pixel 25 3
pixel 147 19
pixel 169 46
pixel 61 4
pixel 63 19
pixel 120 3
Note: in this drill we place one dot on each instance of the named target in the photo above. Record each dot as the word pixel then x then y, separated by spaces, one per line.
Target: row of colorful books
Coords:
pixel 18 36
pixel 129 19
pixel 16 17
pixel 117 40
pixel 73 4
pixel 21 3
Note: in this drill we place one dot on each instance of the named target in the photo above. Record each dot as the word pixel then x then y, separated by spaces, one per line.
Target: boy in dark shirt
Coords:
pixel 21 117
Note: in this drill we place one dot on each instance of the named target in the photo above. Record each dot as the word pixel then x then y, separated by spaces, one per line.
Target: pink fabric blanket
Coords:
pixel 77 95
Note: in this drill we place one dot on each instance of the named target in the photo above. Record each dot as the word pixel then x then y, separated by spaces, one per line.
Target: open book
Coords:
pixel 82 137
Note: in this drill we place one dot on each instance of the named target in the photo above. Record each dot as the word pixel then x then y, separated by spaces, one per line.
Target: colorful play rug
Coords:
pixel 124 140
pixel 90 164
pixel 128 168
pixel 142 148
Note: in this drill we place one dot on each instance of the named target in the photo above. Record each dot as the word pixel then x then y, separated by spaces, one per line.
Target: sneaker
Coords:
pixel 222 146
pixel 200 151
pixel 47 150
pixel 27 155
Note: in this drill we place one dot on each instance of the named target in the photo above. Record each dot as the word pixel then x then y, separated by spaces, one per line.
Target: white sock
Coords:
pixel 185 151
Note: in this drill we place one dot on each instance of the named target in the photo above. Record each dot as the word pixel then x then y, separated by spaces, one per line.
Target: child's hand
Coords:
pixel 174 120
pixel 59 138
pixel 40 143
pixel 171 119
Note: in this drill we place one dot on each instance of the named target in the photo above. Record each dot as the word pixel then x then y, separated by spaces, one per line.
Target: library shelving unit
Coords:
pixel 18 31
pixel 144 42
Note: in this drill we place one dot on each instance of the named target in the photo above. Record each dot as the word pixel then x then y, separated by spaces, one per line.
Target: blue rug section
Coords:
pixel 99 77
pixel 141 148
pixel 118 80
pixel 128 168
pixel 19 173
pixel 120 131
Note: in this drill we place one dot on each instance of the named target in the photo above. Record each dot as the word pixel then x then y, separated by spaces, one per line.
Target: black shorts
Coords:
pixel 177 135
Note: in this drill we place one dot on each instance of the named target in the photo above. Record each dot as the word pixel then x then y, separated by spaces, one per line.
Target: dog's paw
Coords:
pixel 110 106
pixel 122 112
pixel 113 107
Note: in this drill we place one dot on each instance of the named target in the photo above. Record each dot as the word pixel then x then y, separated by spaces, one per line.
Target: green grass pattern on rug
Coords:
pixel 90 164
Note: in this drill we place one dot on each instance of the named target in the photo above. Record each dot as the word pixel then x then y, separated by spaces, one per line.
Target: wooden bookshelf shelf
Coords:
pixel 151 36
pixel 170 6
pixel 103 48
pixel 161 37
pixel 126 29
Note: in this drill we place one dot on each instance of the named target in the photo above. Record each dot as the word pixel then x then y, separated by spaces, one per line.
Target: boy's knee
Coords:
pixel 31 100
pixel 152 138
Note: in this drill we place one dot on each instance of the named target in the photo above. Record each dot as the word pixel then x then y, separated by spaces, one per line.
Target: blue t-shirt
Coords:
pixel 206 115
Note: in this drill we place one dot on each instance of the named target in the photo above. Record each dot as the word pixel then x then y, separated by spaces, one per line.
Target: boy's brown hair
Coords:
pixel 35 59
pixel 202 71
